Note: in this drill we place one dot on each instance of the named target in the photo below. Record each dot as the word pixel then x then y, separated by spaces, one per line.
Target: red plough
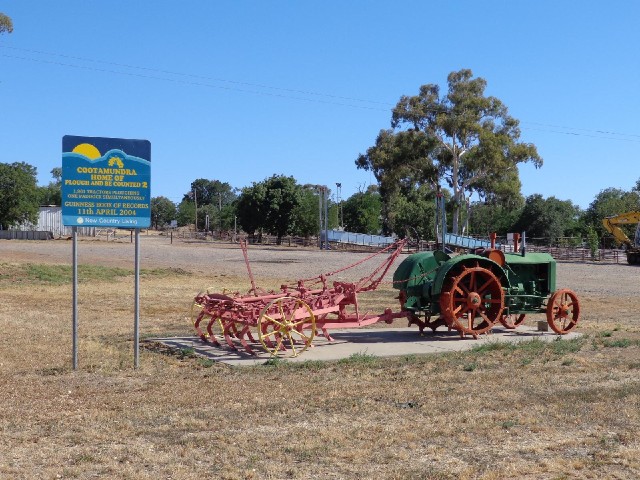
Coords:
pixel 288 320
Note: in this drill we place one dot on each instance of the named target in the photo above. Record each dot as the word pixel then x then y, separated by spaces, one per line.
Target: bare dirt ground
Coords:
pixel 564 410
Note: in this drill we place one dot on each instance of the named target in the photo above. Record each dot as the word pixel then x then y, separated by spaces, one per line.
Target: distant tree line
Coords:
pixel 280 206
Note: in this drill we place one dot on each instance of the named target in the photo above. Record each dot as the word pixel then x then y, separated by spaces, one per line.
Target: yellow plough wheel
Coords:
pixel 281 323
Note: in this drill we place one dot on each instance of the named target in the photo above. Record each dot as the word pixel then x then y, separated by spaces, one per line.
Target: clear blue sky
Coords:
pixel 239 90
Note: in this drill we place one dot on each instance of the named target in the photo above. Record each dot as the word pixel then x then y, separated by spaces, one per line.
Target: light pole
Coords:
pixel 195 201
pixel 220 213
pixel 339 205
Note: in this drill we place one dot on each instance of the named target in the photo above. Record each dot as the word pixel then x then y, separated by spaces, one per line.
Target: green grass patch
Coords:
pixel 494 347
pixel 41 274
pixel 470 367
pixel 621 343
pixel 163 272
pixel 507 424
pixel 206 362
pixel 273 362
pixel 359 358
pixel 282 363
pixel 561 346
pixel 62 274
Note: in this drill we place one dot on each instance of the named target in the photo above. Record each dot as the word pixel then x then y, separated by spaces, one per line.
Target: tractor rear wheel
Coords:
pixel 563 311
pixel 472 301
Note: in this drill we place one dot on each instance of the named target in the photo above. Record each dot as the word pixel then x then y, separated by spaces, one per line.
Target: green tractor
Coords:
pixel 472 292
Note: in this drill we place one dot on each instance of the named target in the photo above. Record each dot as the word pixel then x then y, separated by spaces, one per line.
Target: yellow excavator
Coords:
pixel 611 224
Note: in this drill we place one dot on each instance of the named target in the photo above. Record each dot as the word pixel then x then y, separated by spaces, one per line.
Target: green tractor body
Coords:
pixel 472 292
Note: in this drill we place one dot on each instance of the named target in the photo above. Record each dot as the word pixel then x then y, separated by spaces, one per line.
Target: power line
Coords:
pixel 188 82
pixel 190 75
pixel 603 132
pixel 333 99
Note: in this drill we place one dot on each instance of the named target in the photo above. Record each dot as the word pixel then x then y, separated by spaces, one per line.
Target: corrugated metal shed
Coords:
pixel 50 220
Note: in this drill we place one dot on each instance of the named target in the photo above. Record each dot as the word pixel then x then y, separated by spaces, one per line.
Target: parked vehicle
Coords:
pixel 612 225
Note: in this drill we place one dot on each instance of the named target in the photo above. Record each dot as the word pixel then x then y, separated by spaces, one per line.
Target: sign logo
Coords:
pixel 106 182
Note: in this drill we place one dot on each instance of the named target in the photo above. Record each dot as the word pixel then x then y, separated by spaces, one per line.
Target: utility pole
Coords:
pixel 326 218
pixel 220 211
pixel 323 215
pixel 320 197
pixel 339 205
pixel 195 200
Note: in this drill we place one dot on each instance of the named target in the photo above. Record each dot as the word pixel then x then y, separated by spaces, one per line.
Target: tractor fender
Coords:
pixel 457 263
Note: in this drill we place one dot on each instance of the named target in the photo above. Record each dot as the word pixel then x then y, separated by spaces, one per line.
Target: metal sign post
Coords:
pixel 106 183
pixel 74 326
pixel 136 317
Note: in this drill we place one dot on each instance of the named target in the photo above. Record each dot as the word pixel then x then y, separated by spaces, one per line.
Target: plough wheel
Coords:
pixel 563 311
pixel 281 323
pixel 511 321
pixel 472 302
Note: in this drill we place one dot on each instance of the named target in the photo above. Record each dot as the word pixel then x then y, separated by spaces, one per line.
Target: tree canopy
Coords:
pixel 547 218
pixel 463 138
pixel 19 199
pixel 612 201
pixel 211 192
pixel 213 199
pixel 51 194
pixel 163 211
pixel 361 212
pixel 6 25
pixel 270 205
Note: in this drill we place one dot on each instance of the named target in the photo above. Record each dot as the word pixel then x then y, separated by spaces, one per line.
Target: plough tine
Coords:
pixel 326 334
pixel 227 337
pixel 210 325
pixel 244 343
pixel 196 325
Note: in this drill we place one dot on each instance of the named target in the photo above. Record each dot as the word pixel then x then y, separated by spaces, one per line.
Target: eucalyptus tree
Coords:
pixel 6 25
pixel 463 138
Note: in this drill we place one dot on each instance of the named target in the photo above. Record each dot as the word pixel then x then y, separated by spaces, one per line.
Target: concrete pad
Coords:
pixel 379 342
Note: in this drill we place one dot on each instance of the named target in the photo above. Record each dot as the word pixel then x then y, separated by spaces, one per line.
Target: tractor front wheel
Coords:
pixel 563 311
pixel 472 301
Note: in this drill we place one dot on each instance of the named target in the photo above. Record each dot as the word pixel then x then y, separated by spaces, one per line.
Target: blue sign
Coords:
pixel 106 182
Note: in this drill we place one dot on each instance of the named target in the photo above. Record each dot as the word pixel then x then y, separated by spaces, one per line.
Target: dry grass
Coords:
pixel 536 411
